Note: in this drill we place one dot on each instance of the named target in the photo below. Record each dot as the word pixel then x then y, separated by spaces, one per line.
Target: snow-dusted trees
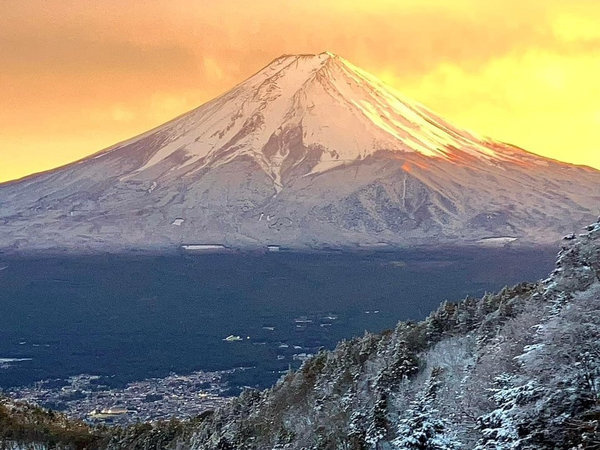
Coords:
pixel 378 428
pixel 357 432
pixel 552 398
pixel 423 428
pixel 535 347
pixel 507 426
pixel 402 365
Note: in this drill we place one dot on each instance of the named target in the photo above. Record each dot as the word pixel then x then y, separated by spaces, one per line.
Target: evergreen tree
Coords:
pixel 423 428
pixel 357 432
pixel 379 426
pixel 404 364
pixel 507 426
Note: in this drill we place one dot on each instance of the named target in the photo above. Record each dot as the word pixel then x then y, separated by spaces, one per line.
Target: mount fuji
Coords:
pixel 310 152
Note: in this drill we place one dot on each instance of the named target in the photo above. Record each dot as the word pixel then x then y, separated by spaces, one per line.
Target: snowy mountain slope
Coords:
pixel 309 152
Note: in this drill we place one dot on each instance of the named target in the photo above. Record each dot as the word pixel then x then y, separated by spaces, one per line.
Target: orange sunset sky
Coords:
pixel 77 76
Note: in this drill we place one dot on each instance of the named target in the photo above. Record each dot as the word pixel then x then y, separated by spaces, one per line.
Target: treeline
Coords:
pixel 26 424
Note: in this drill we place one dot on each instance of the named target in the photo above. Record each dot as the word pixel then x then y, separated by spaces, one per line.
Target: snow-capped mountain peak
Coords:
pixel 336 112
pixel 310 151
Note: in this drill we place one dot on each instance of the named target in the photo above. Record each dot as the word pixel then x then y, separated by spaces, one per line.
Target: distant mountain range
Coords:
pixel 311 152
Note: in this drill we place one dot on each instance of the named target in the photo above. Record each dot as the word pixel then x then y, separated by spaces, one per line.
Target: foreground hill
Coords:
pixel 519 369
pixel 309 152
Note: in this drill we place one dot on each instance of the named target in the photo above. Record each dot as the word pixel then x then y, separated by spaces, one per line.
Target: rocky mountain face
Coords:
pixel 519 369
pixel 310 152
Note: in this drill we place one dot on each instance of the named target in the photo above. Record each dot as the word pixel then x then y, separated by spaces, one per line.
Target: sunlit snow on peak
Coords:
pixel 345 112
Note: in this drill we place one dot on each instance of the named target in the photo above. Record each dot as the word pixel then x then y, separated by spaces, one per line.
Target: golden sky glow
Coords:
pixel 77 76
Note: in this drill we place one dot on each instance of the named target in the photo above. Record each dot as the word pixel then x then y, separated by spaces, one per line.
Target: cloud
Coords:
pixel 545 101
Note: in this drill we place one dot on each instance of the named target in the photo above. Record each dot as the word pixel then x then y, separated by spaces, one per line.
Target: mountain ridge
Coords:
pixel 310 152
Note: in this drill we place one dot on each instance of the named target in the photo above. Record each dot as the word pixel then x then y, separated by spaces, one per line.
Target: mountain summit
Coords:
pixel 311 151
pixel 336 112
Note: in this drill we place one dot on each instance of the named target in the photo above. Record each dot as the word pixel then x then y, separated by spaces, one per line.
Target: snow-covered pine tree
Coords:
pixel 357 431
pixel 423 428
pixel 404 363
pixel 506 427
pixel 378 428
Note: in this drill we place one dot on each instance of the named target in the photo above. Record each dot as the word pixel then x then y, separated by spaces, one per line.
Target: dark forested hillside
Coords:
pixel 30 427
pixel 519 369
